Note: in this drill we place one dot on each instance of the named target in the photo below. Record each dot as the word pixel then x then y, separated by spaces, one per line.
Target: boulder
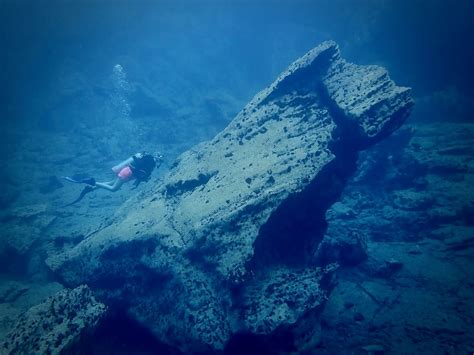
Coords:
pixel 240 217
pixel 55 324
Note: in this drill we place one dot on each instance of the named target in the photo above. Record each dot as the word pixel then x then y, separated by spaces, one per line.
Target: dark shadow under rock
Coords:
pixel 119 334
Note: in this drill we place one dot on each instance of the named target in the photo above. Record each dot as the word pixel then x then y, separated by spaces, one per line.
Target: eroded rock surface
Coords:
pixel 54 325
pixel 243 214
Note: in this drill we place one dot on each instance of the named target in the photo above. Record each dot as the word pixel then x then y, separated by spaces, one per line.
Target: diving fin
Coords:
pixel 84 192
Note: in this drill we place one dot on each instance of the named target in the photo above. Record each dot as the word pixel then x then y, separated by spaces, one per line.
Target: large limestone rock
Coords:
pixel 226 241
pixel 55 324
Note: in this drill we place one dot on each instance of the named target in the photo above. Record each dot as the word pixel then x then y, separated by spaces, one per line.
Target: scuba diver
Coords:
pixel 139 167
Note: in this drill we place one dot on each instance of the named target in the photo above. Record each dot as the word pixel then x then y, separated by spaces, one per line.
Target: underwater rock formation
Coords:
pixel 226 242
pixel 54 325
pixel 411 204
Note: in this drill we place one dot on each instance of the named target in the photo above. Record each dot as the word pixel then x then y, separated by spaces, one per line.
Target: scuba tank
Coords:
pixel 141 164
pixel 128 162
pixel 116 169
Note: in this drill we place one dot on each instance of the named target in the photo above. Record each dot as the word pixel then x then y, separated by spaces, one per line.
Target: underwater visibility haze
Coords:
pixel 237 177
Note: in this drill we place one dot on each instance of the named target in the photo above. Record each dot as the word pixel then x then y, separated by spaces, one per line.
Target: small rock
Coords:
pixel 416 250
pixel 394 265
pixel 386 269
pixel 374 349
pixel 348 305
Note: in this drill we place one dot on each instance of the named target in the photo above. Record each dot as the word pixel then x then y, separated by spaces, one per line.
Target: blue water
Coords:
pixel 87 83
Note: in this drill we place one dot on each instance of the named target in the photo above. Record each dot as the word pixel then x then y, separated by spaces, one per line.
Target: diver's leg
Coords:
pixel 88 181
pixel 111 185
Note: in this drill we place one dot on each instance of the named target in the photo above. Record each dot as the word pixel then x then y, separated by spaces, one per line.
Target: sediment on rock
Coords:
pixel 244 210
